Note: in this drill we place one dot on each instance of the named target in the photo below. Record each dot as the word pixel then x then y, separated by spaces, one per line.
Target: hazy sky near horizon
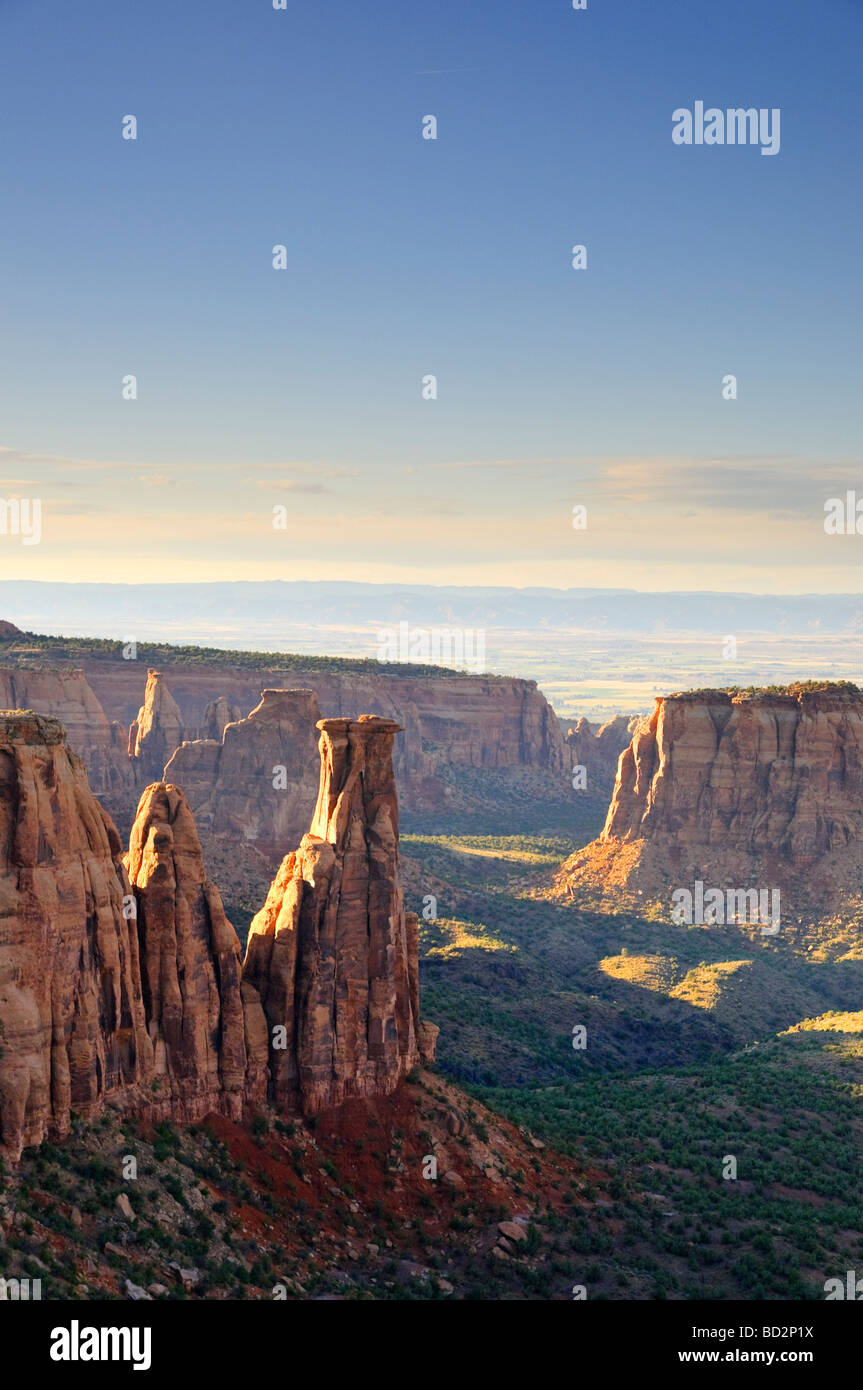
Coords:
pixel 406 257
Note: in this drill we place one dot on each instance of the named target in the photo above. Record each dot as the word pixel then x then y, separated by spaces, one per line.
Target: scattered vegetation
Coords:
pixel 75 649
pixel 701 1046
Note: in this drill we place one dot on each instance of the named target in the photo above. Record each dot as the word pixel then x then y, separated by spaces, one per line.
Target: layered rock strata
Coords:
pixel 737 788
pixel 67 697
pixel 597 748
pixel 454 726
pixel 110 990
pixel 120 979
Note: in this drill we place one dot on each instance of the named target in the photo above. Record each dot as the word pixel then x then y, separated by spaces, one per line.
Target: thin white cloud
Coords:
pixel 291 485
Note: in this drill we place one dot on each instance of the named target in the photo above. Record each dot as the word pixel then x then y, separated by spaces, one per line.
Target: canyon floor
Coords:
pixel 701 1046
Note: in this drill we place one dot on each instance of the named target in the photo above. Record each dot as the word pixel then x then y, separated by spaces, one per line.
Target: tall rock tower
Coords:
pixel 208 1032
pixel 331 953
pixel 157 731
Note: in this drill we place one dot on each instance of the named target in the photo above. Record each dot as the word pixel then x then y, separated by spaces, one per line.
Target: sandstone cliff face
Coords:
pixel 331 953
pixel 67 697
pixel 467 740
pixel 208 1034
pixel 157 730
pixel 453 725
pixel 259 782
pixel 737 789
pixel 72 1024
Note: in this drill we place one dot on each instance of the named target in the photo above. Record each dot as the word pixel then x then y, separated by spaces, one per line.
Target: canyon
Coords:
pixel 450 721
pixel 278 1097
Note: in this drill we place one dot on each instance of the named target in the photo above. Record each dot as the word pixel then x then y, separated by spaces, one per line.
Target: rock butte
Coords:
pixel 736 789
pixel 120 980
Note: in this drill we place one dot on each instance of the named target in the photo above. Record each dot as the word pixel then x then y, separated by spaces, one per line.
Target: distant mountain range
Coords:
pixel 272 614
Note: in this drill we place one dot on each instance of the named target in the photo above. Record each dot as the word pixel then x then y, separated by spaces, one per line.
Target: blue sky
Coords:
pixel 452 257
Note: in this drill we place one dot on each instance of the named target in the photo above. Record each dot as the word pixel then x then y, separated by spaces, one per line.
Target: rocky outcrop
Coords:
pixel 737 789
pixel 67 697
pixel 8 631
pixel 110 992
pixel 218 715
pixel 120 979
pixel 331 953
pixel 208 1034
pixel 597 748
pixel 157 730
pixel 72 1024
pixel 259 782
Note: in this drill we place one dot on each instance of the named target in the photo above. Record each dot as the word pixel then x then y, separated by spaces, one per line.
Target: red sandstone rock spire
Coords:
pixel 158 729
pixel 132 991
pixel 217 716
pixel 209 1040
pixel 331 953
